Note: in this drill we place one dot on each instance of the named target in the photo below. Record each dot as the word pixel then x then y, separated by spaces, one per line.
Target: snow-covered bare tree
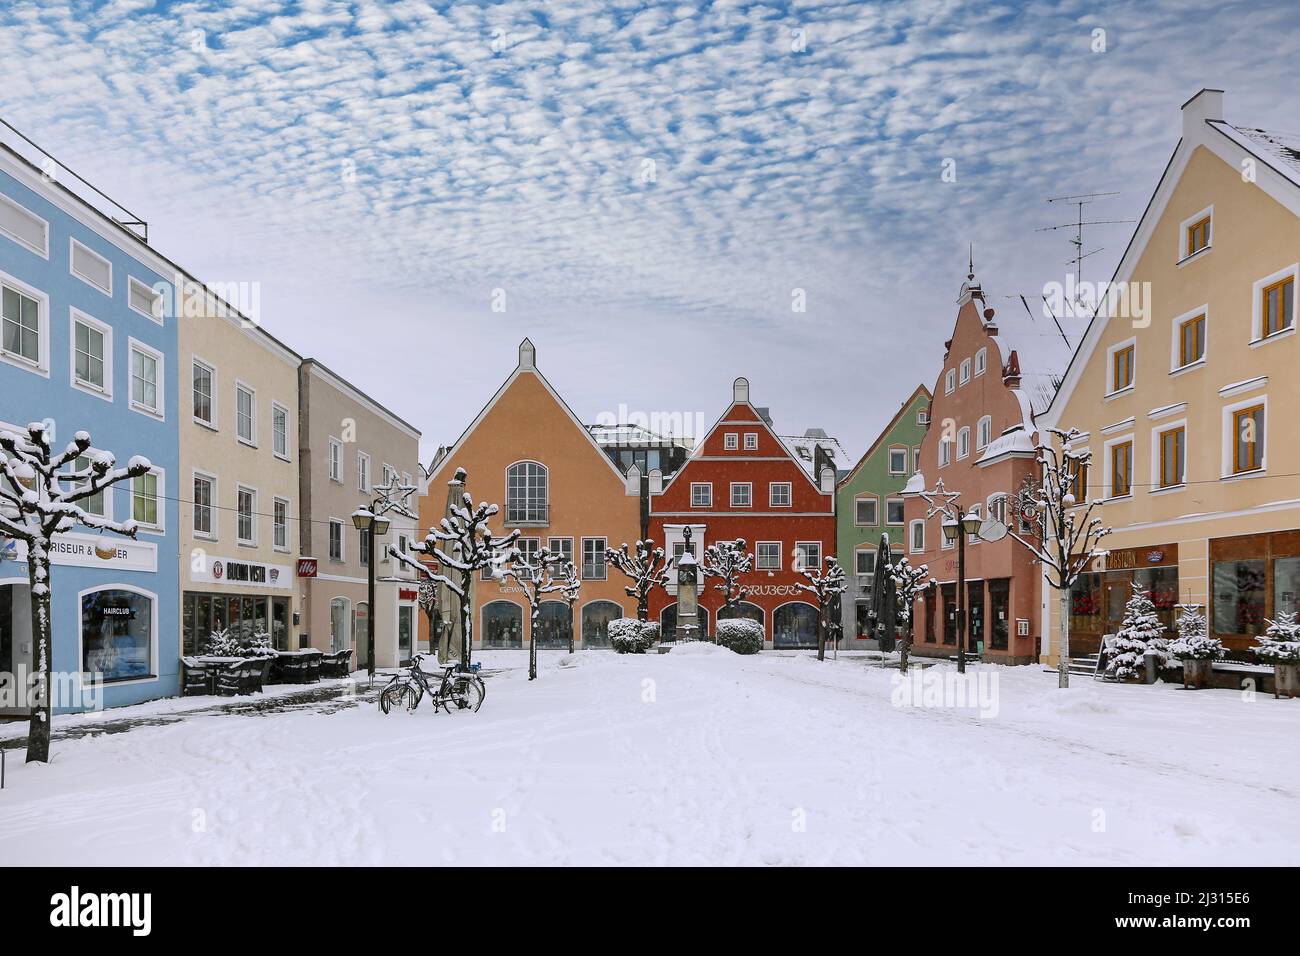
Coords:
pixel 1045 518
pixel 38 499
pixel 463 545
pixel 727 561
pixel 427 598
pixel 646 567
pixel 909 584
pixel 537 576
pixel 571 588
pixel 824 586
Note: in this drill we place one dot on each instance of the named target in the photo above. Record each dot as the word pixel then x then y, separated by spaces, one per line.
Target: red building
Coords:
pixel 981 440
pixel 743 481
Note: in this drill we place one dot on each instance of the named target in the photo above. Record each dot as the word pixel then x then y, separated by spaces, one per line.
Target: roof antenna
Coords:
pixel 971 262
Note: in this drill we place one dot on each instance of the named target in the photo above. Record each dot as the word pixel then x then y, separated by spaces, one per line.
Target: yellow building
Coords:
pixel 1185 385
pixel 238 487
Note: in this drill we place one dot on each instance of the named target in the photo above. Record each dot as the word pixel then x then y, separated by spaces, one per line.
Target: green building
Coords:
pixel 869 503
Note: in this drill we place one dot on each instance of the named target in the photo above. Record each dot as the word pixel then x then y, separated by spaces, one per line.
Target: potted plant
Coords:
pixel 1140 635
pixel 1195 648
pixel 1280 646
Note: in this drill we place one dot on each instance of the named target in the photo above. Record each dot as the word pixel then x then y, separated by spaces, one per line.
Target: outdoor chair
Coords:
pixel 313 667
pixel 336 664
pixel 230 679
pixel 293 670
pixel 255 674
pixel 194 678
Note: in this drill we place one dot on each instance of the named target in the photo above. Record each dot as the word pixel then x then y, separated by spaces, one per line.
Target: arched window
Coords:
pixel 554 624
pixel 981 361
pixel 340 624
pixel 983 432
pixel 117 632
pixel 503 625
pixel 794 625
pixel 527 493
pixel 742 611
pixel 963 442
pixel 595 622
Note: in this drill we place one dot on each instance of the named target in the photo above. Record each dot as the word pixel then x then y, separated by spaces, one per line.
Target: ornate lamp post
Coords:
pixel 956 524
pixel 372 519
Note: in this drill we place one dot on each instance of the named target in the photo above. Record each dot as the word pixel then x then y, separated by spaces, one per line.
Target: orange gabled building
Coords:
pixel 528 452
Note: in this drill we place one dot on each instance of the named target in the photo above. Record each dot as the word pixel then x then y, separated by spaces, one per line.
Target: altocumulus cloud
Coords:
pixel 628 172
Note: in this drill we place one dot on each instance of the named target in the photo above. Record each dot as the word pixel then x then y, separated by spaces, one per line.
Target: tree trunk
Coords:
pixel 1063 652
pixel 643 607
pixel 38 584
pixel 571 626
pixel 533 616
pixel 904 646
pixel 466 615
pixel 821 634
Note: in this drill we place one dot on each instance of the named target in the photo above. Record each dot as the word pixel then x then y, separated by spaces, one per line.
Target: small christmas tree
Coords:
pixel 1141 631
pixel 1194 642
pixel 1281 642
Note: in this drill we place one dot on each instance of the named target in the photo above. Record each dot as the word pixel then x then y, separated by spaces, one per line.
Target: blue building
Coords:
pixel 89 344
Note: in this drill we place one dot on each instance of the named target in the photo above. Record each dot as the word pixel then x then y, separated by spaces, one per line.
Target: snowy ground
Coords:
pixel 695 757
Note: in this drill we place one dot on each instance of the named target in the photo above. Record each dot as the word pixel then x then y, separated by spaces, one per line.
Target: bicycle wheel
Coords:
pixel 466 695
pixel 399 697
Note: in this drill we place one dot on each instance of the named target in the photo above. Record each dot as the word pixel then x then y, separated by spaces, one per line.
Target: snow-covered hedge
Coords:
pixel 627 635
pixel 741 635
pixel 1281 642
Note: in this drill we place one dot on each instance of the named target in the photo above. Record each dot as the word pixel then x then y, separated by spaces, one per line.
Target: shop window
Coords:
pixel 117 633
pixel 554 625
pixel 949 595
pixel 862 619
pixel 405 628
pixel 794 625
pixel 668 622
pixel 1239 597
pixel 1086 611
pixel 742 611
pixel 928 601
pixel 340 621
pixel 999 614
pixel 975 614
pixel 595 622
pixel 1286 585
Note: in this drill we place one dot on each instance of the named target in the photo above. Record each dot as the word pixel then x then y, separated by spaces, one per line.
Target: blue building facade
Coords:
pixel 88 345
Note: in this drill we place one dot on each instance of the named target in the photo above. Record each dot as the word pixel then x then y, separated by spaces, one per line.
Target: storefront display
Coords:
pixel 117 634
pixel 1098 598
pixel 246 615
pixel 1253 579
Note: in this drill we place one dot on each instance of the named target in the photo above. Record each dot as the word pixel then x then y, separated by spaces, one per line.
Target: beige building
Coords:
pixel 1186 408
pixel 238 488
pixel 349 446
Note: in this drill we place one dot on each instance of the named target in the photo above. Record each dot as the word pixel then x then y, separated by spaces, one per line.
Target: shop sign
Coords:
pixel 219 570
pixel 91 551
pixel 1127 559
pixel 407 594
pixel 306 567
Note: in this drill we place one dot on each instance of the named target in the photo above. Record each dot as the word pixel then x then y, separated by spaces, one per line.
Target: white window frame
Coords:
pixel 945 452
pixel 731 441
pixel 901 451
pixel 983 432
pixel 75 317
pixel 363 472
pixel 1106 487
pixel 131 282
pixel 1181 256
pixel 343 540
pixel 916 459
pixel 963 442
pixel 286 455
pixel 749 487
pixel 1176 339
pixel 1230 438
pixel 1257 337
pixel 1111 390
pixel 251 442
pixel 240 488
pixel 751 441
pixel 964 377
pixel 108 498
pixel 44 251
pixel 774 547
pixel 214 515
pixel 335 457
pixel 708 489
pixel 981 361
pixel 875 501
pixel 804 546
pixel 74 245
pixel 550 544
pixel 214 399
pixel 895 499
pixel 1156 434
pixel 911 535
pixel 858 552
pixel 582 567
pixel 772 486
pixel 950 381
pixel 160 527
pixel 278 500
pixel 42 366
pixel 160 387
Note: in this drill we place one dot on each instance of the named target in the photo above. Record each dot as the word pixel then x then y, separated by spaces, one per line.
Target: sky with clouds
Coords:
pixel 648 184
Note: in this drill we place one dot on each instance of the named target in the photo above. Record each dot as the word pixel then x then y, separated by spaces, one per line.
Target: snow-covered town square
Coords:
pixel 674 446
pixel 685 759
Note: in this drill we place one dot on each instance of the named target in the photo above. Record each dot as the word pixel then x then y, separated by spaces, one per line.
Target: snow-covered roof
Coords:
pixel 625 435
pixel 1281 150
pixel 1017 441
pixel 803 448
pixel 915 485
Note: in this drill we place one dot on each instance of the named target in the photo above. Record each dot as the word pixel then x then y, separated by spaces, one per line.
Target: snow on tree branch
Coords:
pixel 646 567
pixel 727 561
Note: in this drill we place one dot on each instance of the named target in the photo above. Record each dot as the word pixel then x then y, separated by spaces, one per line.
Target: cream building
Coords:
pixel 349 445
pixel 239 484
pixel 1187 409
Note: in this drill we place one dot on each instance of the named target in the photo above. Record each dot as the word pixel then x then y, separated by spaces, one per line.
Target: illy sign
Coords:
pixel 306 567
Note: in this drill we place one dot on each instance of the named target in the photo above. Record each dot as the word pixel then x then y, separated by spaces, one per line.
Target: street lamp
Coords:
pixel 956 524
pixel 363 519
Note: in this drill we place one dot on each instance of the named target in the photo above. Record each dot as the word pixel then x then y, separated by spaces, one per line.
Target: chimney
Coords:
pixel 740 390
pixel 527 354
pixel 656 481
pixel 1205 105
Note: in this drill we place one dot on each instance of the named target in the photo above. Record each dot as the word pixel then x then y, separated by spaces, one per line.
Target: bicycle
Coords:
pixel 464 690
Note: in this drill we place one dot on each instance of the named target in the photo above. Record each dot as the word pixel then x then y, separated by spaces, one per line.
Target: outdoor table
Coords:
pixel 282 655
pixel 213 665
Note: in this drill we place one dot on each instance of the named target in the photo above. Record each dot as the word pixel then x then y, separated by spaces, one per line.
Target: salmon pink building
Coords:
pixel 744 481
pixel 981 440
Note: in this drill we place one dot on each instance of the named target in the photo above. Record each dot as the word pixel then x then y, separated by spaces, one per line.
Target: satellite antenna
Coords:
pixel 1079 201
